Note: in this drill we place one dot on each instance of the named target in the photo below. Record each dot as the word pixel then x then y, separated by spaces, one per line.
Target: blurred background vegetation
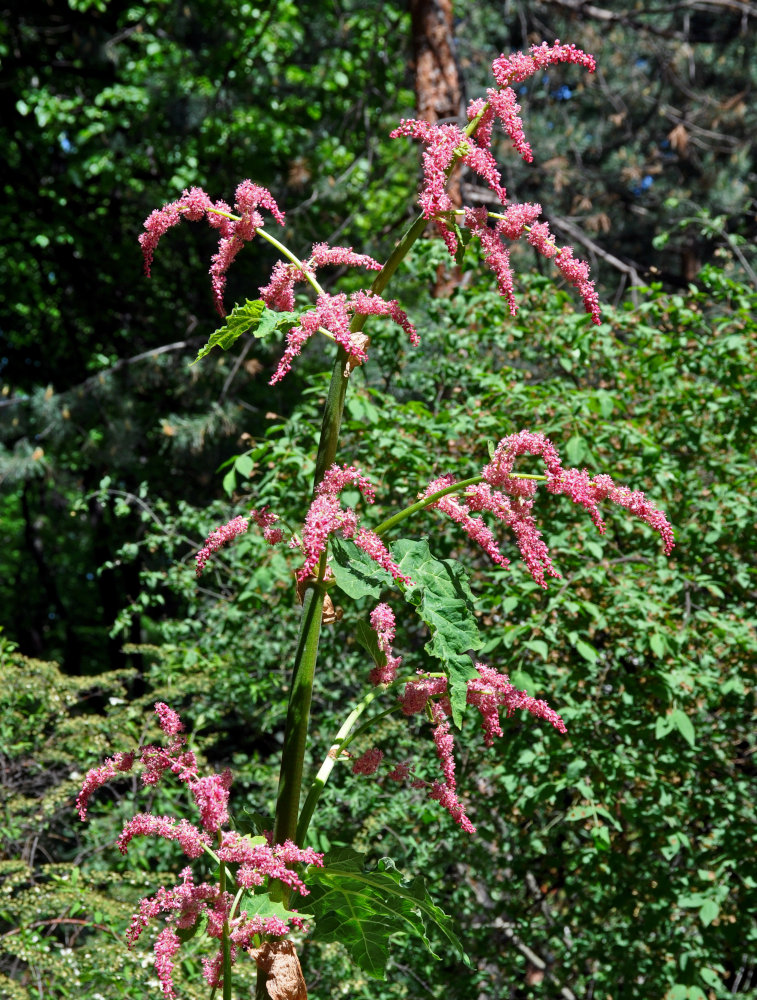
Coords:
pixel 613 863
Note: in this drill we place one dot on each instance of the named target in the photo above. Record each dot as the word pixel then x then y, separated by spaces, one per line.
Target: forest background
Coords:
pixel 608 864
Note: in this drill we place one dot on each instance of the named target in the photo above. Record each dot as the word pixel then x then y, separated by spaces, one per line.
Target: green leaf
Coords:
pixel 362 909
pixel 244 466
pixel 709 911
pixel 538 646
pixel 355 572
pixel 230 481
pixel 657 644
pixel 684 725
pixel 369 641
pixel 441 594
pixel 588 652
pixel 253 317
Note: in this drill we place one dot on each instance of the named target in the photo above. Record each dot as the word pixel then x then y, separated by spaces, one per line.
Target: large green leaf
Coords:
pixel 253 317
pixel 355 572
pixel 442 596
pixel 362 909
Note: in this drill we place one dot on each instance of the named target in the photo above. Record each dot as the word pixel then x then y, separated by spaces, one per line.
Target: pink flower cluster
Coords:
pixel 219 537
pixel 326 515
pixel 510 500
pixel 234 231
pixel 210 793
pixel 279 292
pixel 382 623
pixel 447 144
pixel 264 518
pixel 334 313
pixel 369 762
pixel 187 902
pixel 489 693
pixel 254 860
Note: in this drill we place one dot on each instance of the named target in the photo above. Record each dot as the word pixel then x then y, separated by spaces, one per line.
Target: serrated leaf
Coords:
pixel 362 908
pixel 442 596
pixel 261 904
pixel 253 317
pixel 355 572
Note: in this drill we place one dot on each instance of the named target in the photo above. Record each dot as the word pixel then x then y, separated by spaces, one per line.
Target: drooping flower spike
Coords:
pixel 447 144
pixel 186 902
pixel 333 314
pixel 326 516
pixel 234 231
pixel 490 693
pixel 510 500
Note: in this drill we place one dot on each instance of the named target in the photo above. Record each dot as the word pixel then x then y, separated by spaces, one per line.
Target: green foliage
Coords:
pixel 363 908
pixel 621 847
pixel 253 318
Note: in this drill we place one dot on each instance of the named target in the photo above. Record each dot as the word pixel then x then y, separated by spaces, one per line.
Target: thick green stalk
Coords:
pixel 298 713
pixel 298 717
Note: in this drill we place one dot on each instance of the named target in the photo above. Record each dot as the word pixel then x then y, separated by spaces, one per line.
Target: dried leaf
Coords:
pixel 278 960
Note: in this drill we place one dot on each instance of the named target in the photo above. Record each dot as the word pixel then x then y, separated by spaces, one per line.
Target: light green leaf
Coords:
pixel 538 646
pixel 709 911
pixel 657 644
pixel 253 317
pixel 684 725
pixel 362 909
pixel 230 481
pixel 588 652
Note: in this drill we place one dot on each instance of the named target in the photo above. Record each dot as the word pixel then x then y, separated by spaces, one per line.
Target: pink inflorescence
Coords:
pixel 369 762
pixel 234 229
pixel 490 693
pixel 382 623
pixel 326 516
pixel 264 518
pixel 511 499
pixel 446 145
pixel 186 902
pixel 218 538
pixel 333 314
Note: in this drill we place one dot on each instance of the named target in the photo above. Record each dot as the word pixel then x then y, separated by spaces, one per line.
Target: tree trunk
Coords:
pixel 438 94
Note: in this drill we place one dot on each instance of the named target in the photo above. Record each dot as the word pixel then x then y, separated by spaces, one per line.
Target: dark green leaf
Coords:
pixel 355 572
pixel 441 593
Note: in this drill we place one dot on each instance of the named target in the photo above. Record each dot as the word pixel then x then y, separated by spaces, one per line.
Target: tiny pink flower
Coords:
pixel 382 622
pixel 218 538
pixel 167 945
pixel 372 545
pixel 191 840
pixel 211 794
pixel 170 722
pixel 369 762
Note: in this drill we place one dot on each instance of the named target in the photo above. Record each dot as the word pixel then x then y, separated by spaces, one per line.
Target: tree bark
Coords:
pixel 438 94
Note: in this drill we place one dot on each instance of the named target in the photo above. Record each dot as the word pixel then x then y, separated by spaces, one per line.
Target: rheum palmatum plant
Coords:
pixel 249 906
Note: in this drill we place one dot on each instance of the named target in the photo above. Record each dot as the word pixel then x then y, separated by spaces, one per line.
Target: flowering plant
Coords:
pixel 337 554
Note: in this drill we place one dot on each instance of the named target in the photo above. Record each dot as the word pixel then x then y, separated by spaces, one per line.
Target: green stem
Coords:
pixel 298 717
pixel 225 937
pixel 390 522
pixel 341 740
